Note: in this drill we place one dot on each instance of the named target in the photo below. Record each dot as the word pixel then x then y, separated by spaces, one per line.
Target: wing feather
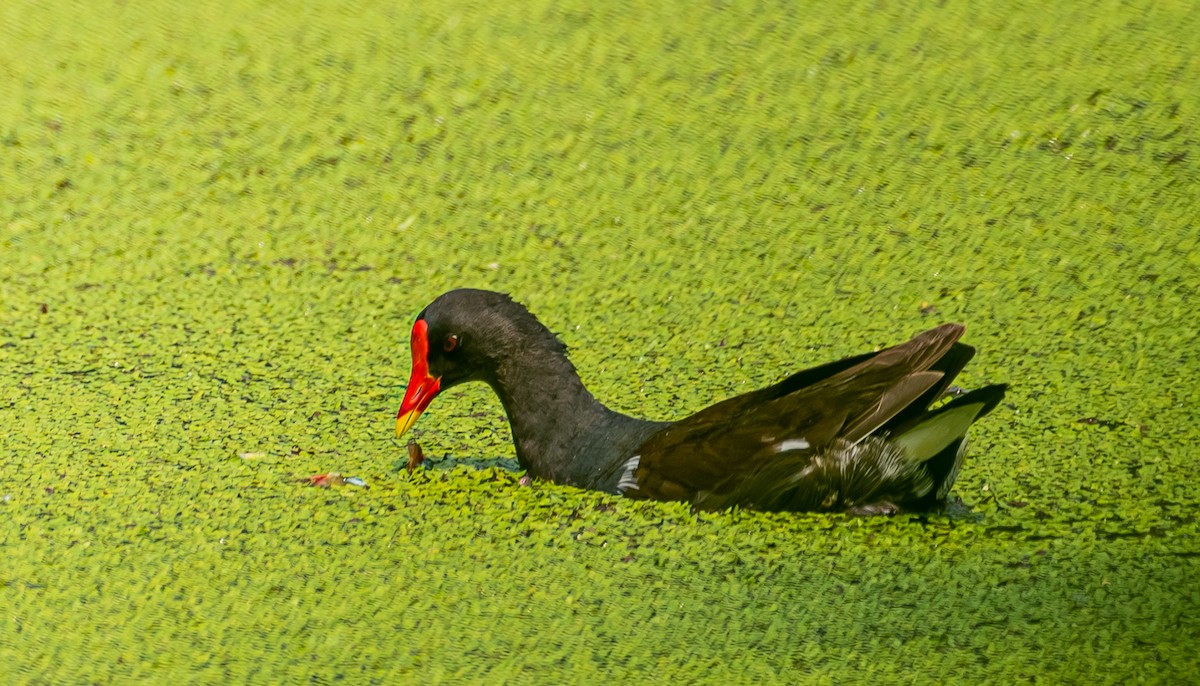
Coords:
pixel 710 453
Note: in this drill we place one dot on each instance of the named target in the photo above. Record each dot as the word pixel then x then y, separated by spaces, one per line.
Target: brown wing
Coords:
pixel 712 450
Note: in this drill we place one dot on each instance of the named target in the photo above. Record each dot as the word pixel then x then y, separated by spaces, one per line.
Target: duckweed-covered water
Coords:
pixel 217 221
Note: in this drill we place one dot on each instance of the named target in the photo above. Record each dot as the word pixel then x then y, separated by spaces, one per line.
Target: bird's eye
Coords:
pixel 451 343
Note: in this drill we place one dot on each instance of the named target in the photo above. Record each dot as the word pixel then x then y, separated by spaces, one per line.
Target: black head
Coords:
pixel 464 335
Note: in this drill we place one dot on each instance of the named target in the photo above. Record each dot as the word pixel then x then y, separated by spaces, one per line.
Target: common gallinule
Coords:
pixel 856 435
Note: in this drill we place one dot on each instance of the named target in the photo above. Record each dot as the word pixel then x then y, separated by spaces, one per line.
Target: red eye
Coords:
pixel 451 343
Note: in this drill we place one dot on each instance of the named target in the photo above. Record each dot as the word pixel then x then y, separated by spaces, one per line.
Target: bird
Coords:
pixel 871 434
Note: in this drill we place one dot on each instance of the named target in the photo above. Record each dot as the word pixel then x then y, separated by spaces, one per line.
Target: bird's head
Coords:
pixel 461 336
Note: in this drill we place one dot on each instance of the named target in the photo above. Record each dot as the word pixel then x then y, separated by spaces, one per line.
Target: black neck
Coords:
pixel 561 432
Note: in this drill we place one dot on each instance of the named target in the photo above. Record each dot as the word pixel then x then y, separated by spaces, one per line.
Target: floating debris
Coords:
pixel 1096 421
pixel 325 480
pixel 415 456
pixel 333 479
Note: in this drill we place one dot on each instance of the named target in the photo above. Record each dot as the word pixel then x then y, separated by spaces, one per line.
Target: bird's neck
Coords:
pixel 561 432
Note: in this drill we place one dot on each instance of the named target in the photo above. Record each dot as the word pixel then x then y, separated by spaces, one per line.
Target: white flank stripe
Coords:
pixel 792 444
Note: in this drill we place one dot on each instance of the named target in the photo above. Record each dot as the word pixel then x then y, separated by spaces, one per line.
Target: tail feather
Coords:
pixel 935 431
pixel 931 436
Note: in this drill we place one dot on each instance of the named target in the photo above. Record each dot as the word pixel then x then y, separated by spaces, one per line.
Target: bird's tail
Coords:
pixel 934 431
pixel 938 438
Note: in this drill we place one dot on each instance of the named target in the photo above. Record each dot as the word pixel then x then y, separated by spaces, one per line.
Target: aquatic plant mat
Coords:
pixel 217 221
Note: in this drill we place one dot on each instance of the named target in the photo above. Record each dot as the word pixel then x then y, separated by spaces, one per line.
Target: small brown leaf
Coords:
pixel 415 456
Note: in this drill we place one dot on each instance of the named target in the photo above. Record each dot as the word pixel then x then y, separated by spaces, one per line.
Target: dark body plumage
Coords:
pixel 854 435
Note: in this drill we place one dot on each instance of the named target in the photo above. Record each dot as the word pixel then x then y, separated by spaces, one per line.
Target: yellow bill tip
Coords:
pixel 405 422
